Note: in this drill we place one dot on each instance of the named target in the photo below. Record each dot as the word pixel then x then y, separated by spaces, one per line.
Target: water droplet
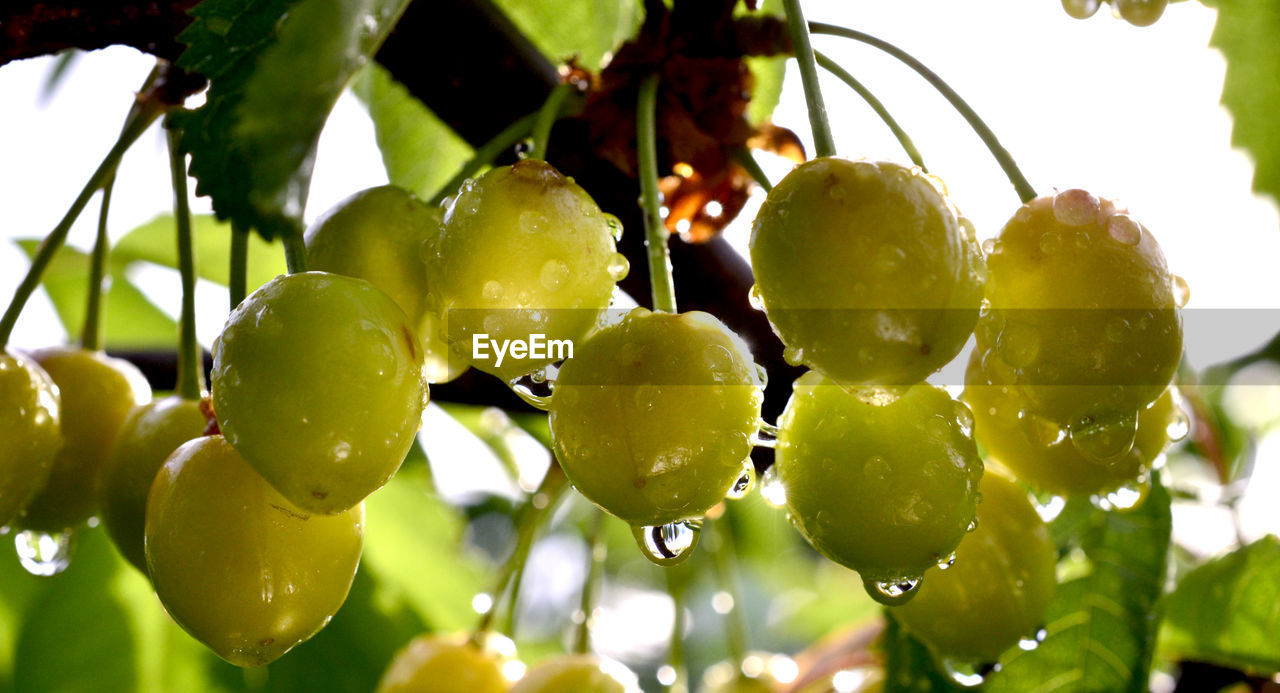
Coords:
pixel 989 246
pixel 619 267
pixel 1105 441
pixel 837 192
pixel 1118 329
pixel 893 592
pixel 554 274
pixel 947 561
pixel 492 291
pixel 615 227
pixel 745 482
pixel 669 544
pixel 43 554
pixel 1041 431
pixel 754 297
pixel 771 488
pixel 1124 230
pixel 794 356
pixel 535 393
pixel 963 418
pixel 973 525
pixel 1127 497
pixel 1180 425
pixel 879 396
pixel 1018 345
pixel 1181 292
pixel 889 259
pixel 938 427
pixel 876 469
pixel 1050 242
pixel 965 674
pixel 1075 207
pixel 1031 643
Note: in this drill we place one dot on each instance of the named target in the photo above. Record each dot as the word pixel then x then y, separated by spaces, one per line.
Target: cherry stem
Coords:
pixel 295 251
pixel 724 559
pixel 903 138
pixel 596 552
pixel 91 333
pixel 190 383
pixel 677 586
pixel 743 157
pixel 655 230
pixel 1025 192
pixel 546 118
pixel 529 518
pixel 141 116
pixel 803 50
pixel 487 153
pixel 238 277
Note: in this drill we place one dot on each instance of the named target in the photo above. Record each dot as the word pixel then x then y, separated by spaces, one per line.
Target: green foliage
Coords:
pixel 1101 626
pixel 154 242
pixel 1246 35
pixel 587 31
pixel 418 150
pixel 767 73
pixel 275 70
pixel 1225 611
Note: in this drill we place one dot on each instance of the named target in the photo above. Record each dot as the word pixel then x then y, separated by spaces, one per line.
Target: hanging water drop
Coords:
pixel 965 674
pixel 1075 207
pixel 669 544
pixel 1181 292
pixel 754 297
pixel 771 488
pixel 745 482
pixel 1107 441
pixel 1031 643
pixel 615 227
pixel 766 436
pixel 43 554
pixel 619 267
pixel 893 592
pixel 534 390
pixel 794 356
pixel 1179 426
pixel 947 561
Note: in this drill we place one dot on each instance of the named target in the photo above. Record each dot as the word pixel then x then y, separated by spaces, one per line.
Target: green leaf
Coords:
pixel 1101 627
pixel 276 68
pixel 562 29
pixel 419 151
pixel 767 73
pixel 1227 611
pixel 413 549
pixel 1246 35
pixel 131 320
pixel 154 242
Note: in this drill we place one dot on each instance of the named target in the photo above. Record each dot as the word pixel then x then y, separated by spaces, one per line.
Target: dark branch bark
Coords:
pixel 30 28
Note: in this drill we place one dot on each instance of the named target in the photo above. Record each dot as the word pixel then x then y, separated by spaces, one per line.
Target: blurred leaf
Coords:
pixel 276 68
pixel 909 666
pixel 130 319
pixel 414 550
pixel 1101 627
pixel 562 29
pixel 155 242
pixel 1227 611
pixel 1246 35
pixel 767 73
pixel 419 151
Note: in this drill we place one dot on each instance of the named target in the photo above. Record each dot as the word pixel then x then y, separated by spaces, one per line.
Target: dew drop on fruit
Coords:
pixel 771 488
pixel 965 674
pixel 536 393
pixel 1106 441
pixel 1081 9
pixel 1041 431
pixel 554 274
pixel 492 291
pixel 766 436
pixel 754 297
pixel 669 544
pixel 1050 242
pixel 745 482
pixel 43 554
pixel 619 267
pixel 989 246
pixel 963 418
pixel 947 561
pixel 794 356
pixel 973 525
pixel 1075 207
pixel 1031 643
pixel 1179 426
pixel 893 592
pixel 615 227
pixel 1118 330
pixel 1181 292
pixel 1124 230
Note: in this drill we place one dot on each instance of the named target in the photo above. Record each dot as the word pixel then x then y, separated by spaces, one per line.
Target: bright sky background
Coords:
pixel 1128 113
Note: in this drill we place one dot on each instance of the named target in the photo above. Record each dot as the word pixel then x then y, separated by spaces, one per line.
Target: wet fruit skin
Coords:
pixel 866 271
pixel 523 250
pixel 98 392
pixel 885 490
pixel 378 235
pixel 580 673
pixel 235 564
pixel 999 588
pixel 652 418
pixel 30 426
pixel 1014 443
pixel 1083 317
pixel 150 434
pixel 443 664
pixel 317 381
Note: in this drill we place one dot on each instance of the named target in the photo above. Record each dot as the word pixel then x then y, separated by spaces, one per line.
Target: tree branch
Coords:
pixel 31 28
